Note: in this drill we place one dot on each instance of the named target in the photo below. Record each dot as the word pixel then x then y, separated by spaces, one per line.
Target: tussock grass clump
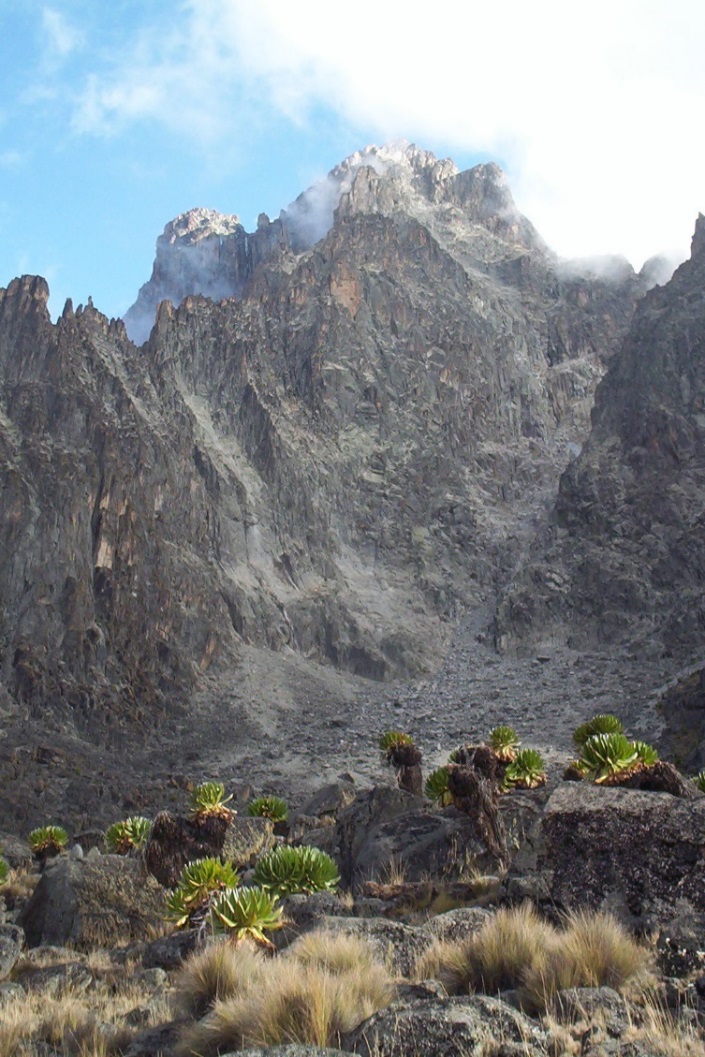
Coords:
pixel 593 951
pixel 333 952
pixel 311 997
pixel 517 949
pixel 220 971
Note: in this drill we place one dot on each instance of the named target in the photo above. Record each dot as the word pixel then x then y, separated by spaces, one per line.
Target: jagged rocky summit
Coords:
pixel 329 464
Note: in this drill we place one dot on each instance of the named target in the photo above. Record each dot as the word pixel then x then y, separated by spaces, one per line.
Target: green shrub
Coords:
pixel 606 755
pixel 504 742
pixel 272 807
pixel 603 723
pixel 246 913
pixel 286 870
pixel 133 832
pixel 199 880
pixel 646 755
pixel 208 800
pixel 391 739
pixel 4 869
pixel 436 787
pixel 527 770
pixel 700 781
pixel 48 840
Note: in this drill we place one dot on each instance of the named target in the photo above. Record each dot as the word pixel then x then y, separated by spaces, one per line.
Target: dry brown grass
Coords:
pixel 493 959
pixel 19 886
pixel 661 1033
pixel 75 1023
pixel 518 949
pixel 333 952
pixel 319 990
pixel 593 950
pixel 220 971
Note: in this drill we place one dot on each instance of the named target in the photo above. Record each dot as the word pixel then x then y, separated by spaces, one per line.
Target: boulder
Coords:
pixel 165 952
pixel 330 799
pixel 637 854
pixel 10 948
pixel 587 1003
pixel 104 902
pixel 457 925
pixel 432 1026
pixel 386 825
pixel 246 839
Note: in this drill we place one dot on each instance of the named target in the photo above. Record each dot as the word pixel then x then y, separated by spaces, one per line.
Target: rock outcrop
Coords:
pixel 624 559
pixel 635 854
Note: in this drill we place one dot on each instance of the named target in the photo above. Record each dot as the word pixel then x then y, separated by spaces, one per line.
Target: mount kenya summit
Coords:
pixel 343 434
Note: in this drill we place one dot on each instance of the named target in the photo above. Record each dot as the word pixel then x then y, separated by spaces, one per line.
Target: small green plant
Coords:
pixel 4 870
pixel 504 742
pixel 246 913
pixel 603 723
pixel 272 807
pixel 47 841
pixel 286 870
pixel 606 755
pixel 527 771
pixel 392 739
pixel 132 832
pixel 646 755
pixel 436 787
pixel 208 800
pixel 199 880
pixel 700 781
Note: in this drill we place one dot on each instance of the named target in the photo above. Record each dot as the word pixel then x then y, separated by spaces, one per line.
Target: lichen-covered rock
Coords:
pixel 432 1026
pixel 636 854
pixel 385 826
pixel 10 949
pixel 101 903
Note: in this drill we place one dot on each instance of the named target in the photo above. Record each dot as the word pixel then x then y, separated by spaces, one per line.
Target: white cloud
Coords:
pixel 61 38
pixel 595 110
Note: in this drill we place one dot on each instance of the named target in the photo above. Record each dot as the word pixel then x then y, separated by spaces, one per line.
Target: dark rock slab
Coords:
pixel 99 903
pixel 435 1026
pixel 636 854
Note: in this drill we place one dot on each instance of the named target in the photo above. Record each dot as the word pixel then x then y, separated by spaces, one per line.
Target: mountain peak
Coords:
pixel 197 224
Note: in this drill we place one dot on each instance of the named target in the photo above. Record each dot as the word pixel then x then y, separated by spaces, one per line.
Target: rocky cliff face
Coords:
pixel 330 463
pixel 624 559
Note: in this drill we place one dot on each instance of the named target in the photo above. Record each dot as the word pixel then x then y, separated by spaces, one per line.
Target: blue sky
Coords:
pixel 115 118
